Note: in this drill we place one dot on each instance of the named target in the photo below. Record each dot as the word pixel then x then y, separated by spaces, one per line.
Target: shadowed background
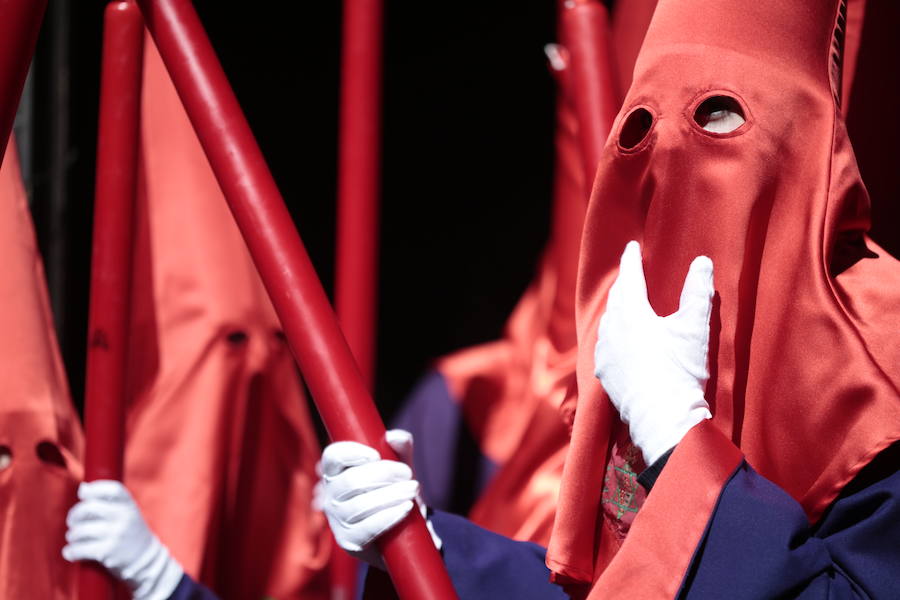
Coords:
pixel 467 158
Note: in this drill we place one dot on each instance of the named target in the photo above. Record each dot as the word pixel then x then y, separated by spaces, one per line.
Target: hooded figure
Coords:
pixel 221 449
pixel 804 364
pixel 730 145
pixel 41 442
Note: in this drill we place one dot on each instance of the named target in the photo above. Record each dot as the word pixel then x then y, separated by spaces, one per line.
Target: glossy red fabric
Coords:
pixel 630 19
pixel 221 451
pixel 856 15
pixel 804 362
pixel 40 436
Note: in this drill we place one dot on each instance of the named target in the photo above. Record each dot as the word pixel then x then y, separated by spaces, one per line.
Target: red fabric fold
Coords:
pixel 673 520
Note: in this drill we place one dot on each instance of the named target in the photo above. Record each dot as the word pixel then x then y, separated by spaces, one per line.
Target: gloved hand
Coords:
pixel 106 526
pixel 654 368
pixel 364 496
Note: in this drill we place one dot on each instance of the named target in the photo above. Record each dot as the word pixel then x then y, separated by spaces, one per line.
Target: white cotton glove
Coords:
pixel 364 496
pixel 654 368
pixel 106 526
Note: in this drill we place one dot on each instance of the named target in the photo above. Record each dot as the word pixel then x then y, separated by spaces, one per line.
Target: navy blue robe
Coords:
pixel 188 589
pixel 758 545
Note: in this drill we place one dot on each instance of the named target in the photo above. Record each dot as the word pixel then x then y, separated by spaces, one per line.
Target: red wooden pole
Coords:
pixel 117 155
pixel 584 28
pixel 20 22
pixel 359 179
pixel 341 394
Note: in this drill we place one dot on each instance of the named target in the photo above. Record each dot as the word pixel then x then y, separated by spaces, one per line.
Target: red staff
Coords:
pixel 117 154
pixel 356 256
pixel 341 394
pixel 359 181
pixel 584 28
pixel 20 21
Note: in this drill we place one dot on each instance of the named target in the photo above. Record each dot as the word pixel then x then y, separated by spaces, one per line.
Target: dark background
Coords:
pixel 467 157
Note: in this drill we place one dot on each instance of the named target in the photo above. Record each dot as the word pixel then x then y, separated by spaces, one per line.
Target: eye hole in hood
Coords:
pixel 720 114
pixel 635 128
pixel 5 457
pixel 49 453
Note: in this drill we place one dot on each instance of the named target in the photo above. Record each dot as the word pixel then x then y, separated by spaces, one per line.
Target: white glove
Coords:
pixel 106 526
pixel 363 496
pixel 654 368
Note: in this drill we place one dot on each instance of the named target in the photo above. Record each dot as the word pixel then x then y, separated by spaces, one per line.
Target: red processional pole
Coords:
pixel 341 395
pixel 117 155
pixel 584 29
pixel 359 186
pixel 20 22
pixel 359 181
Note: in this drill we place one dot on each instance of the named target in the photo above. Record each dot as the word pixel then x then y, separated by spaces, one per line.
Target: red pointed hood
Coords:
pixel 801 353
pixel 40 434
pixel 221 450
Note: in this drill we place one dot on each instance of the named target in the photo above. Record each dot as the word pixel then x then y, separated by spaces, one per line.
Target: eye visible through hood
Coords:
pixel 720 114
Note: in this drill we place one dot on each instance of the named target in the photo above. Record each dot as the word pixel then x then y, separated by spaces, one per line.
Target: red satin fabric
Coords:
pixel 630 19
pixel 804 362
pixel 38 424
pixel 221 451
pixel 856 14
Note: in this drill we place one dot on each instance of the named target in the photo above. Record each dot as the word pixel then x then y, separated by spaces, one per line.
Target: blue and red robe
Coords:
pixel 756 543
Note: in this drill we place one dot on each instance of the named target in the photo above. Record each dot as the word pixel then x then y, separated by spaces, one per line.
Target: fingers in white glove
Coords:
pixel 342 455
pixel 654 368
pixel 91 550
pixel 362 534
pixel 105 490
pixel 629 291
pixel 107 526
pixel 401 442
pixel 362 506
pixel 354 481
pixel 698 290
pixel 364 496
pixel 87 531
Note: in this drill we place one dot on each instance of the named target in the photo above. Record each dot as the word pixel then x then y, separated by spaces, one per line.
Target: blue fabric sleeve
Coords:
pixel 483 564
pixel 759 544
pixel 451 468
pixel 188 589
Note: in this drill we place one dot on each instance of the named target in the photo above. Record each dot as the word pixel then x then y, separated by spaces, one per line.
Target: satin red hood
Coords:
pixel 804 361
